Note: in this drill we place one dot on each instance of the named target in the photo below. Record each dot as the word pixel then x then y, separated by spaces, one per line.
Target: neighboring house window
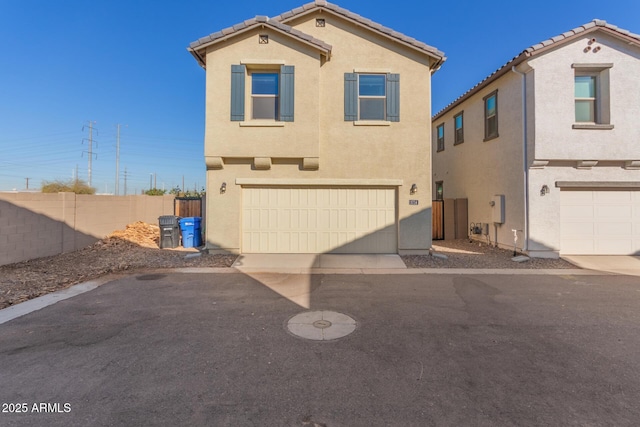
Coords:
pixel 374 97
pixel 440 137
pixel 264 96
pixel 458 125
pixel 591 95
pixel 491 116
pixel 439 190
pixel 585 94
pixel 272 93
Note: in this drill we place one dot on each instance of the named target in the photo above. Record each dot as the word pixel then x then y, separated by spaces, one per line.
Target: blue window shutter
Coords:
pixel 287 92
pixel 350 97
pixel 238 73
pixel 393 97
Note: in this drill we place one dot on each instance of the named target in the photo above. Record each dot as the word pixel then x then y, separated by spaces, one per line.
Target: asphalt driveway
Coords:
pixel 214 349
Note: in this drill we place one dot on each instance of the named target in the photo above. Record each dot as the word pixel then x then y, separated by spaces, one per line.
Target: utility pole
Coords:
pixel 90 152
pixel 118 162
pixel 27 179
pixel 125 180
pixel 155 185
pixel 183 183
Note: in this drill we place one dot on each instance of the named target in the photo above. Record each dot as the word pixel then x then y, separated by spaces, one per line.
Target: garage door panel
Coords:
pixel 577 211
pixel 316 220
pixel 600 222
pixel 612 197
pixel 609 246
pixel 579 230
pixel 605 229
pixel 614 212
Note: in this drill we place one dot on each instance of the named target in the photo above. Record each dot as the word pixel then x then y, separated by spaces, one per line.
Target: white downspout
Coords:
pixel 525 244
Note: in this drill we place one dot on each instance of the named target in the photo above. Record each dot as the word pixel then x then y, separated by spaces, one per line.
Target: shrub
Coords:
pixel 71 186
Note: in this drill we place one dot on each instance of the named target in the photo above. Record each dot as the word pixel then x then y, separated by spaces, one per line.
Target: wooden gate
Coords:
pixel 437 219
pixel 186 207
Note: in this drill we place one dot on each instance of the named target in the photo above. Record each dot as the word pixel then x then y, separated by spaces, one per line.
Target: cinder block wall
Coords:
pixel 35 225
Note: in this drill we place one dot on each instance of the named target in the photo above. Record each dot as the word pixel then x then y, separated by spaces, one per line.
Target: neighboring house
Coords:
pixel 579 192
pixel 317 137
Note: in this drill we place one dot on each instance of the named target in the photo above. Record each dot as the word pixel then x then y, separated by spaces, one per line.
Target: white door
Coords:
pixel 599 222
pixel 319 220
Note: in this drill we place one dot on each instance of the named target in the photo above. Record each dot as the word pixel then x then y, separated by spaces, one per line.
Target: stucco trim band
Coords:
pixel 598 184
pixel 214 162
pixel 321 182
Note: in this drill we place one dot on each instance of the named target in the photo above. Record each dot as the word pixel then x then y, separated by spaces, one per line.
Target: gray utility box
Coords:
pixel 169 231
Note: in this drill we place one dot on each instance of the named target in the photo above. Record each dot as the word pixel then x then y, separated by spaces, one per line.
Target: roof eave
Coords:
pixel 484 83
pixel 534 51
pixel 436 54
pixel 196 51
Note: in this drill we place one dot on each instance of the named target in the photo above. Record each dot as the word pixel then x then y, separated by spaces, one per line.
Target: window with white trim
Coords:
pixel 264 96
pixel 372 96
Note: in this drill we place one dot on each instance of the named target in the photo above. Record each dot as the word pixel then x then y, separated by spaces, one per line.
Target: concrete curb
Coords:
pixel 43 301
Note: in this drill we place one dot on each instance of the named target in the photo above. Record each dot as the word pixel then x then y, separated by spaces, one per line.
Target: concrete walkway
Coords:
pixel 617 264
pixel 307 263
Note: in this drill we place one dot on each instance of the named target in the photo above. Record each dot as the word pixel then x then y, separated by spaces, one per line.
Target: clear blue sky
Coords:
pixel 68 62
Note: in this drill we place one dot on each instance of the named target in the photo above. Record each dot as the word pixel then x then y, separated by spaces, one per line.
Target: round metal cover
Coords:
pixel 321 325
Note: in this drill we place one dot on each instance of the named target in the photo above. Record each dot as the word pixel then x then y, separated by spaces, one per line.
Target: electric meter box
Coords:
pixel 497 209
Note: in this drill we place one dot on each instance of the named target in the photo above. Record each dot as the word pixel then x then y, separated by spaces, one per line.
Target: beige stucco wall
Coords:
pixel 34 225
pixel 344 150
pixel 477 169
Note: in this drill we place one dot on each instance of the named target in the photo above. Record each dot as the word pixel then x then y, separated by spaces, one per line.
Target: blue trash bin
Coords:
pixel 191 232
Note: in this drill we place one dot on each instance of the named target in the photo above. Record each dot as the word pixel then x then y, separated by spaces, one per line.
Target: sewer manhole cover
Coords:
pixel 321 325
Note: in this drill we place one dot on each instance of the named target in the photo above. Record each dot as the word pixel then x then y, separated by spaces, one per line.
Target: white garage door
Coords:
pixel 318 220
pixel 600 222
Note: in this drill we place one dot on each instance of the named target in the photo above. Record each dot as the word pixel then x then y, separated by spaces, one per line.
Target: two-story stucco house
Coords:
pixel 549 145
pixel 317 135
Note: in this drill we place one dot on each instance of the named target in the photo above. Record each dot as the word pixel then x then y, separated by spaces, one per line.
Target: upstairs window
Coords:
pixel 458 125
pixel 491 116
pixel 585 99
pixel 371 97
pixel 264 96
pixel 591 96
pixel 440 137
pixel 271 94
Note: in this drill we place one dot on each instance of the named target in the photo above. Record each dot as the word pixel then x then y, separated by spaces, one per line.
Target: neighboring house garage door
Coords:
pixel 599 222
pixel 319 220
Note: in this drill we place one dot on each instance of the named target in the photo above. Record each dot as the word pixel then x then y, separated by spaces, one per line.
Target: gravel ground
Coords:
pixel 29 279
pixel 461 253
pixel 26 280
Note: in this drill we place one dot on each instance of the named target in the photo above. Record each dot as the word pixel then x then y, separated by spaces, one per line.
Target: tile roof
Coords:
pixel 596 24
pixel 251 23
pixel 388 32
pixel 279 23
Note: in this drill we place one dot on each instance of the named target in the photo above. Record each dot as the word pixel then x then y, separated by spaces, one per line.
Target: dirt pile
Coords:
pixel 139 233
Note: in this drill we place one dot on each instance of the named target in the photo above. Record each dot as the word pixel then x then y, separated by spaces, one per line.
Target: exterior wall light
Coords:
pixel 544 190
pixel 223 188
pixel 414 189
